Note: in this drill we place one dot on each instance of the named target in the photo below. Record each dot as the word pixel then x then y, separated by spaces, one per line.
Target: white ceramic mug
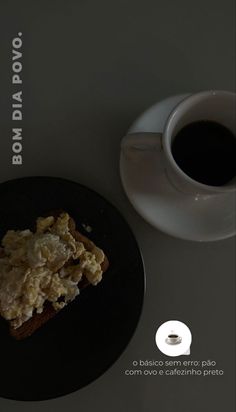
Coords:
pixel 217 106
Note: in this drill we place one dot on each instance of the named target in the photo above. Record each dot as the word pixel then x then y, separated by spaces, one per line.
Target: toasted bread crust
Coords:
pixel 39 319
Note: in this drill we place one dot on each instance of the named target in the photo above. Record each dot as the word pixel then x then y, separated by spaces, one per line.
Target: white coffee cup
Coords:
pixel 216 106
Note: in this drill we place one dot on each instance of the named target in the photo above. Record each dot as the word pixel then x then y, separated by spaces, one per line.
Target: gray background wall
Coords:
pixel 90 68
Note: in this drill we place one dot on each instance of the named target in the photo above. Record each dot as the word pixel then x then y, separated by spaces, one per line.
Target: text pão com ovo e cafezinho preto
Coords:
pixel 174 368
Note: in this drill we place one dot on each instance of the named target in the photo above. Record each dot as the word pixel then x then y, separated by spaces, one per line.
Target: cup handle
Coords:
pixel 141 142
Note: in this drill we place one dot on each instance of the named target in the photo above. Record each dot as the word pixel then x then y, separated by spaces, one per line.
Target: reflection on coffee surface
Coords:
pixel 206 152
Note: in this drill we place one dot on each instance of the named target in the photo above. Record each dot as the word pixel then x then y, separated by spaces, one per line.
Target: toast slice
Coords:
pixel 39 319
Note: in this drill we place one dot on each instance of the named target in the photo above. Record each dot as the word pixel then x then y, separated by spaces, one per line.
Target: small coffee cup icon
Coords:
pixel 173 338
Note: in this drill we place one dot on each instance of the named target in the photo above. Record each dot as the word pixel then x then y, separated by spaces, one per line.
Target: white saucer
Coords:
pixel 205 218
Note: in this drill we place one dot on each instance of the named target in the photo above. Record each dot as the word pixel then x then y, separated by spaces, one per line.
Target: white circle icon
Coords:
pixel 173 338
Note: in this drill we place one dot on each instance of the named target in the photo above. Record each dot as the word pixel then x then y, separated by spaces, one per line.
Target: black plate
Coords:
pixel 87 336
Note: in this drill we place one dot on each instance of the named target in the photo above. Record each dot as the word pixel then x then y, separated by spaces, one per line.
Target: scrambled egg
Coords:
pixel 44 266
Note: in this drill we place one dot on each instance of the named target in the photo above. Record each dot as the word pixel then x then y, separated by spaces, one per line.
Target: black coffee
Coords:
pixel 206 151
